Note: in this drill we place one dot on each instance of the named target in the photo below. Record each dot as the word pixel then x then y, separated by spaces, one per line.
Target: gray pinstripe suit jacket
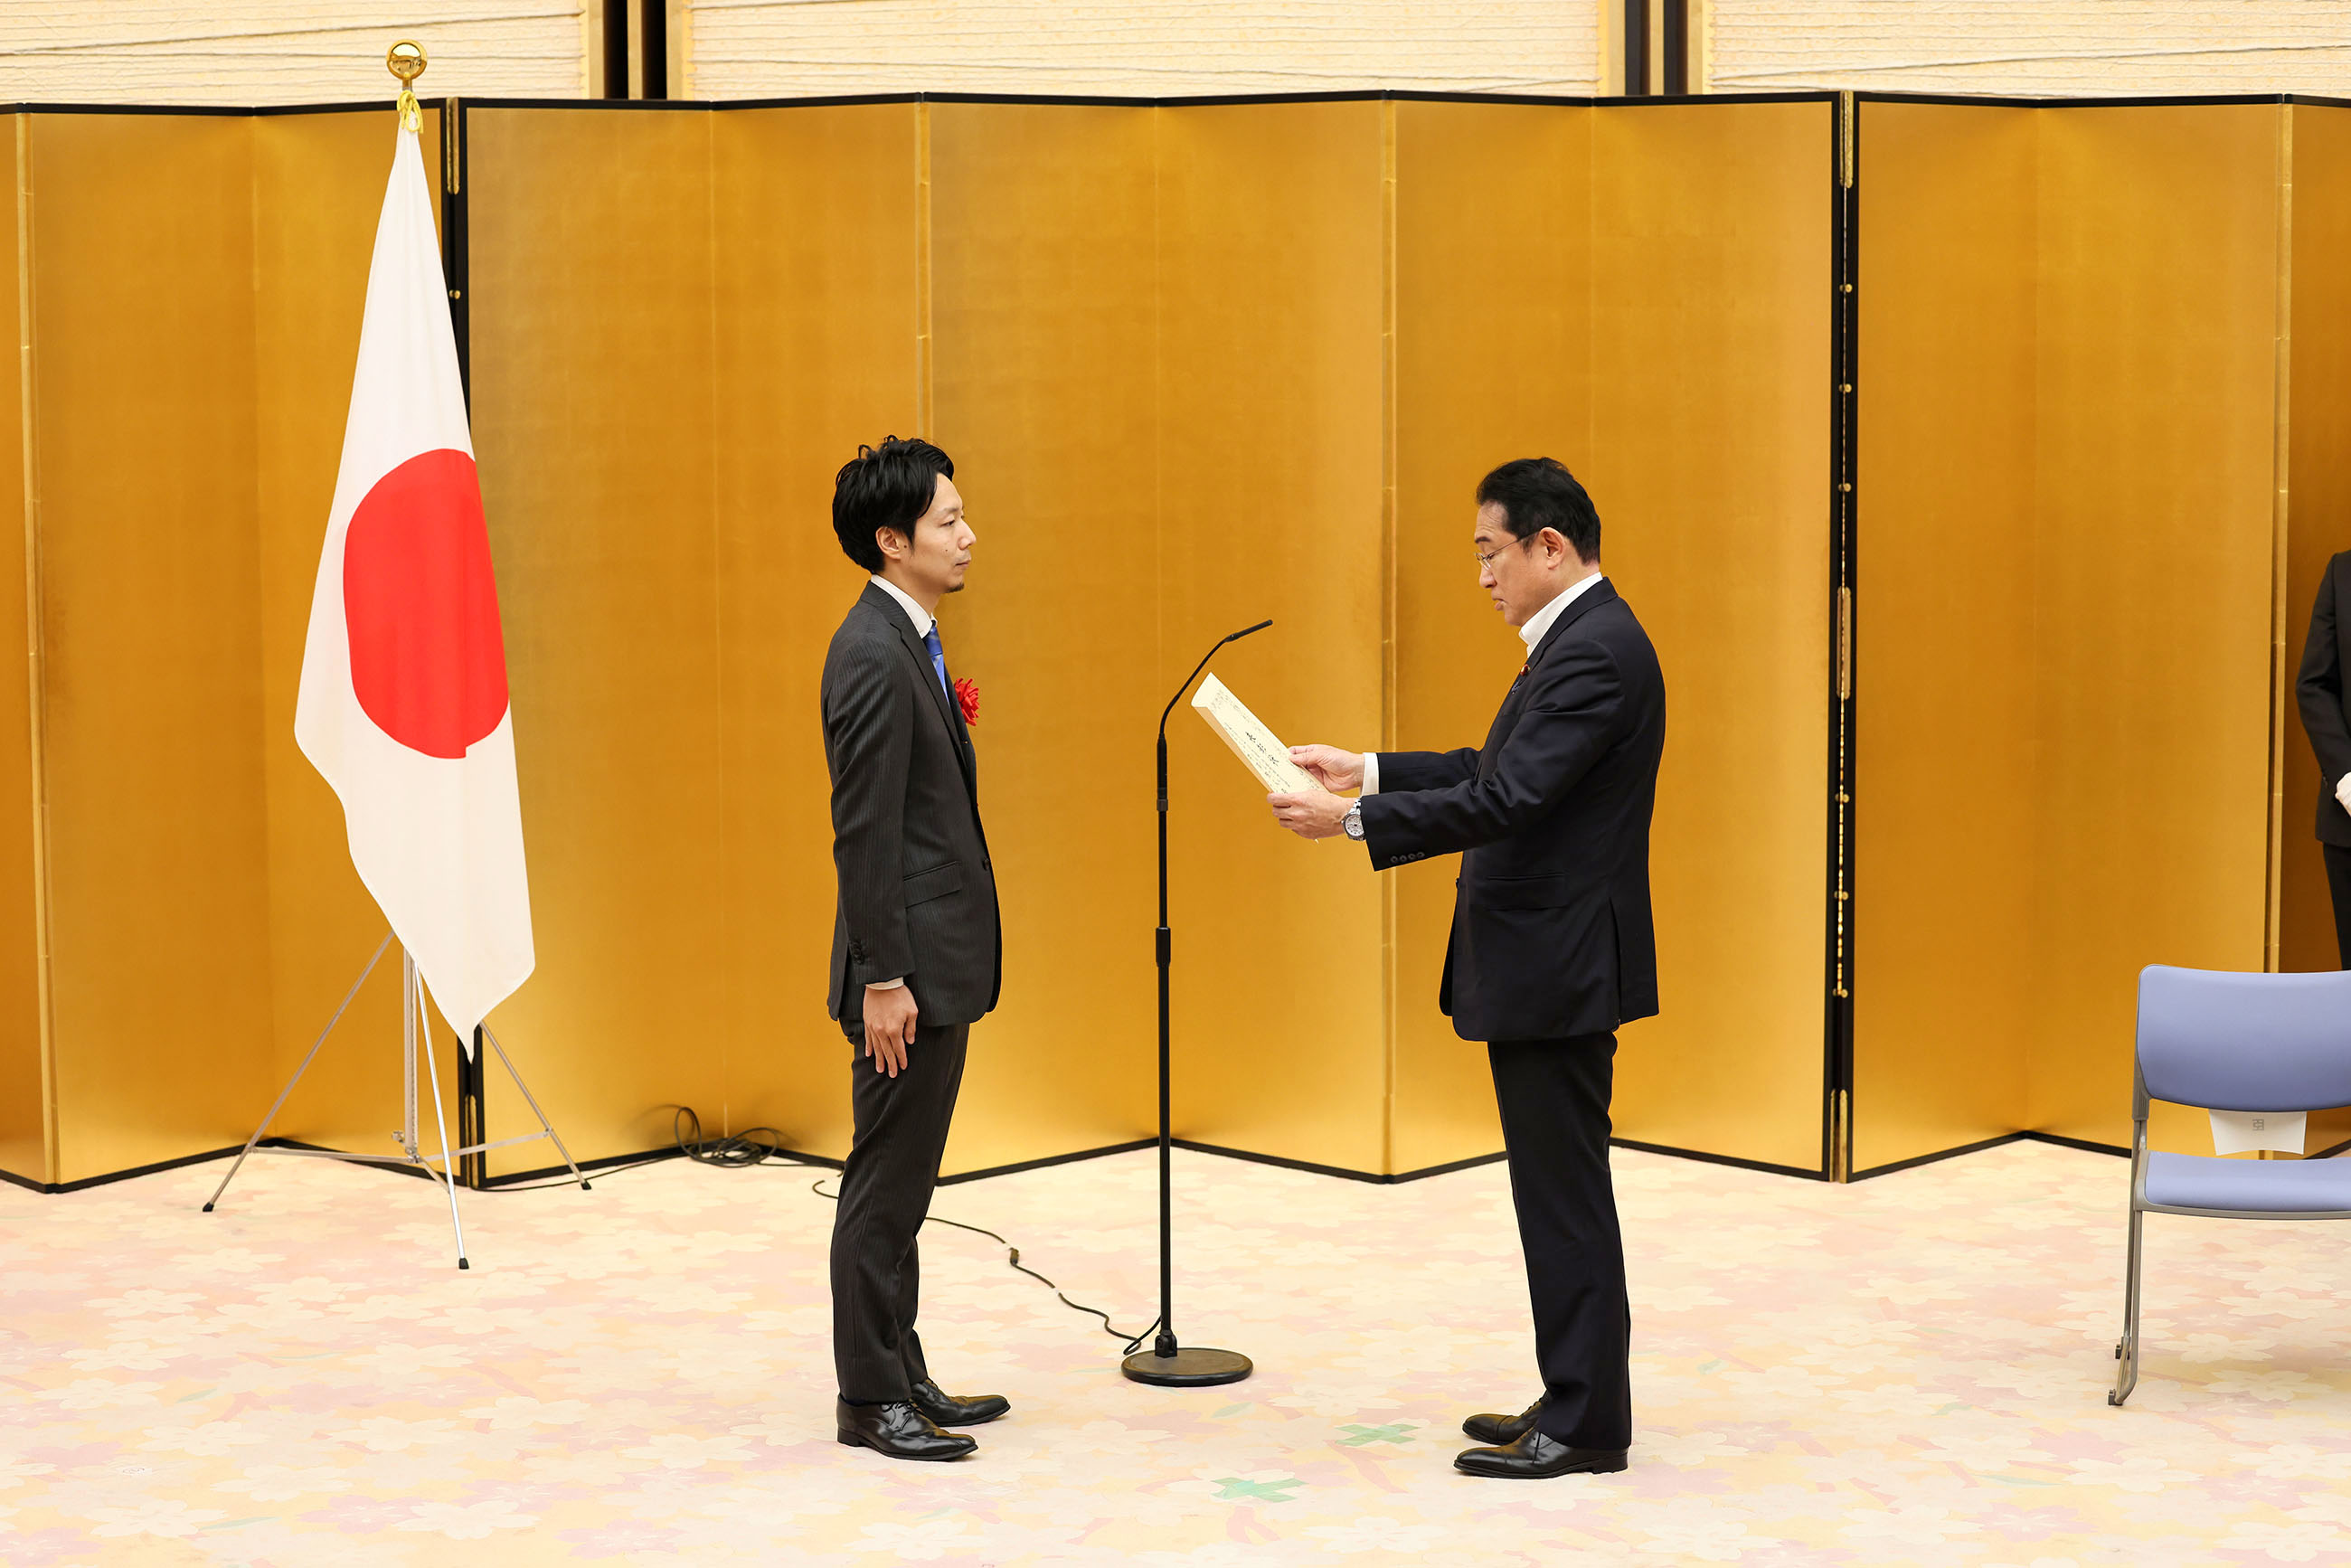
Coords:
pixel 916 888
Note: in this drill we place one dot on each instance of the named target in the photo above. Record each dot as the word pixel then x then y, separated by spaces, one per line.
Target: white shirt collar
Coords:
pixel 915 612
pixel 1532 634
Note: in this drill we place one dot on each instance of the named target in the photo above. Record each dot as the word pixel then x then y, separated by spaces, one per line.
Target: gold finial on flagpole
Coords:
pixel 406 60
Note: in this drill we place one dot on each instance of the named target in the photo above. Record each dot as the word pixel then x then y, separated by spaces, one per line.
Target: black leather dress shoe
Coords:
pixel 1499 1429
pixel 1535 1457
pixel 900 1431
pixel 947 1410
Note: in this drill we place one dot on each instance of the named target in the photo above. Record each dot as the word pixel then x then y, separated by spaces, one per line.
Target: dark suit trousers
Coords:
pixel 885 1194
pixel 1554 1099
pixel 2339 884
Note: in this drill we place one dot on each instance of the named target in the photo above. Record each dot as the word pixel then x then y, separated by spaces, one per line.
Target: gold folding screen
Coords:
pixel 1040 248
pixel 1475 387
pixel 149 823
pixel 1945 1010
pixel 1657 317
pixel 25 1136
pixel 2101 404
pixel 1272 493
pixel 595 421
pixel 2318 465
pixel 807 205
pixel 1199 364
pixel 186 901
pixel 1183 358
pixel 1710 447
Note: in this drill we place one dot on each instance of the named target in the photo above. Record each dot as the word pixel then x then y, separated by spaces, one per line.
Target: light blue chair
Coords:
pixel 2227 1041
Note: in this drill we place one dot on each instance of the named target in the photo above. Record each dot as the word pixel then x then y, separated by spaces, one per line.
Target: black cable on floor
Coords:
pixel 748 1148
pixel 745 1149
pixel 1012 1255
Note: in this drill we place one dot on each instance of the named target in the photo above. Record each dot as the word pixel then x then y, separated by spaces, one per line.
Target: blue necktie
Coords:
pixel 938 659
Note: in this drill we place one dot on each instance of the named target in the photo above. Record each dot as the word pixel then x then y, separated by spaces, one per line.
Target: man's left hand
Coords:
pixel 1311 813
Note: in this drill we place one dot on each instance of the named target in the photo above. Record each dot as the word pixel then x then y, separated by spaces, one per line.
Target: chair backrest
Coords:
pixel 2229 1041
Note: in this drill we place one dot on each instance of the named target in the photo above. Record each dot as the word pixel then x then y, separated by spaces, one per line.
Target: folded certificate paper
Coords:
pixel 1260 751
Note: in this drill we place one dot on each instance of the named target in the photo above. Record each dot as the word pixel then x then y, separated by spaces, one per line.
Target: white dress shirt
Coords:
pixel 922 620
pixel 914 612
pixel 1531 634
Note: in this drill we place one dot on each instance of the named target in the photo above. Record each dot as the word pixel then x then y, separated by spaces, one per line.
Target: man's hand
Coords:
pixel 1332 768
pixel 889 1027
pixel 1309 814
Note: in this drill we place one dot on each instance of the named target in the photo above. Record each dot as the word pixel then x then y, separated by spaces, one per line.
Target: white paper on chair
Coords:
pixel 1260 749
pixel 2239 1132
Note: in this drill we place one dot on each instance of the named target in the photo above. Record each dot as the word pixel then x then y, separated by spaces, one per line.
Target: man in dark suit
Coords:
pixel 1552 946
pixel 2325 719
pixel 917 950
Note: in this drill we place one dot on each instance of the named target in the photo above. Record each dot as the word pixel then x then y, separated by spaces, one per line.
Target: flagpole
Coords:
pixel 408 384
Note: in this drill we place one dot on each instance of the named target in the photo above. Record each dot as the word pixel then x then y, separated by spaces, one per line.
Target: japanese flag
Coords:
pixel 403 698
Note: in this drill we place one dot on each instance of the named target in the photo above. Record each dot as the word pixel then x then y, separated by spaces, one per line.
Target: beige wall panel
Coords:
pixel 817 280
pixel 23 1092
pixel 1493 361
pixel 1944 1002
pixel 2137 48
pixel 283 51
pixel 318 186
pixel 1042 306
pixel 2319 517
pixel 786 48
pixel 594 426
pixel 1710 470
pixel 152 618
pixel 2156 421
pixel 1270 459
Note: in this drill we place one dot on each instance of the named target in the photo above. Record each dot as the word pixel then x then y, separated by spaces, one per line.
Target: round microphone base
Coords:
pixel 1188 1369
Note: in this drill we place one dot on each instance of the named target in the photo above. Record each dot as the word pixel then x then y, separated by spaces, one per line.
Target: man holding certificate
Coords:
pixel 1552 946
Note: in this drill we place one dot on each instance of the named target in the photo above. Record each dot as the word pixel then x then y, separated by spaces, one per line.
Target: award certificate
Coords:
pixel 1258 747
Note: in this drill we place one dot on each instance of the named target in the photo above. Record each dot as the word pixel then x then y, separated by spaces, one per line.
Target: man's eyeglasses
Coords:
pixel 1486 558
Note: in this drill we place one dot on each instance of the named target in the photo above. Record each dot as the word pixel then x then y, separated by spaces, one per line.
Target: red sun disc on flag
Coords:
pixel 421 607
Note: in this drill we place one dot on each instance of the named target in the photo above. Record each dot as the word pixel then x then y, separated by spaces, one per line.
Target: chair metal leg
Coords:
pixel 2126 1348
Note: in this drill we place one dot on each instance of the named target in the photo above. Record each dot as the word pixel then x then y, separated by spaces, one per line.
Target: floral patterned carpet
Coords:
pixel 1911 1370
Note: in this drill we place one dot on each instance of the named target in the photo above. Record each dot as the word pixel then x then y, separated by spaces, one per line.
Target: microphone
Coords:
pixel 1168 1362
pixel 1244 631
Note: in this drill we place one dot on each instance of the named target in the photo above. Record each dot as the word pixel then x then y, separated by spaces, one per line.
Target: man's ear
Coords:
pixel 887 540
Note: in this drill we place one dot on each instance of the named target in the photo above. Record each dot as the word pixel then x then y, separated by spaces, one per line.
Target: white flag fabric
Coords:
pixel 404 704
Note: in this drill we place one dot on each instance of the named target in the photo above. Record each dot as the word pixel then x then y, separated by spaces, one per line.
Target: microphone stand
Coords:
pixel 1164 1363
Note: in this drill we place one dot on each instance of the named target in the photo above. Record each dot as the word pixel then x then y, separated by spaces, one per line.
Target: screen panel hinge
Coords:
pixel 1845 110
pixel 1844 643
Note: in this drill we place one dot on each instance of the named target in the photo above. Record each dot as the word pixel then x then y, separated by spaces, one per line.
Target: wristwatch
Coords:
pixel 1354 821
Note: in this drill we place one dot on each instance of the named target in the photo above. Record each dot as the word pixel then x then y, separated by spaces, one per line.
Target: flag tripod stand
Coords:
pixel 413 1044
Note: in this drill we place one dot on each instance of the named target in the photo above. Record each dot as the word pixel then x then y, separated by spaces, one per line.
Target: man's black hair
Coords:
pixel 1539 493
pixel 885 487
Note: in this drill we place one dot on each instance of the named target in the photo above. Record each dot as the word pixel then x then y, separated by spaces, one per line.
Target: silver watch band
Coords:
pixel 1354 821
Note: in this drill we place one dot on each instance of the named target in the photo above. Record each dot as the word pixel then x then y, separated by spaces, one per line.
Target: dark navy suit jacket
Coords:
pixel 2319 691
pixel 1552 930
